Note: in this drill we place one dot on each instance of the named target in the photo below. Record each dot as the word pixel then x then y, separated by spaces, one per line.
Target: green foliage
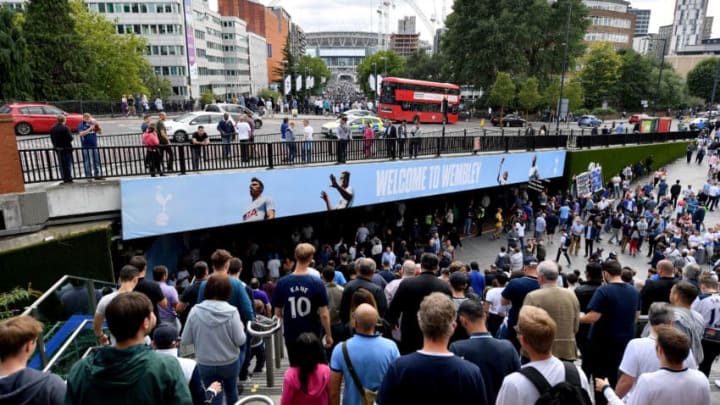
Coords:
pixel 114 61
pixel 267 93
pixel 599 111
pixel 15 296
pixel 573 91
pixel 14 68
pixel 634 84
pixel 673 89
pixel 208 97
pixel 376 64
pixel 157 86
pixel 551 93
pixel 614 159
pixel 315 67
pixel 520 37
pixel 57 58
pixel 503 91
pixel 287 67
pixel 529 96
pixel 700 79
pixel 421 66
pixel 600 73
pixel 581 111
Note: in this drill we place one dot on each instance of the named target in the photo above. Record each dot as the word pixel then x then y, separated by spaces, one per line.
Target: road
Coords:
pixel 125 131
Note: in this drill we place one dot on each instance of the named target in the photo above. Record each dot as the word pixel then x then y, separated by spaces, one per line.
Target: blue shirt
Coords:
pixel 370 356
pixel 618 303
pixel 564 212
pixel 339 278
pixel 89 140
pixel 283 127
pixel 515 292
pixel 477 282
pixel 238 298
pixel 300 297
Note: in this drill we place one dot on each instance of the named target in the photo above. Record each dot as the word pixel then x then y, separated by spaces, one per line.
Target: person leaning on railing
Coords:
pixel 152 157
pixel 62 138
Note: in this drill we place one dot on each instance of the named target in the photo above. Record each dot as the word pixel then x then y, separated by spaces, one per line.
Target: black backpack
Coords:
pixel 568 392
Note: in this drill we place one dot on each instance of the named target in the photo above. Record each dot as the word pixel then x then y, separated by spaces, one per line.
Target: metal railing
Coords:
pixel 272 338
pixel 41 165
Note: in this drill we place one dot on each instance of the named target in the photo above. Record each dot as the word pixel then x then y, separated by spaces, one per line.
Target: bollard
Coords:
pixel 269 364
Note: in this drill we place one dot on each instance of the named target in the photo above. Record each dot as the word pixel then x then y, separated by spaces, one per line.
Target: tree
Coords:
pixel 376 64
pixel 315 67
pixel 503 91
pixel 115 60
pixel 421 66
pixel 288 66
pixel 156 86
pixel 57 57
pixel 600 73
pixel 529 96
pixel 520 37
pixel 573 92
pixel 634 84
pixel 673 91
pixel 700 79
pixel 14 69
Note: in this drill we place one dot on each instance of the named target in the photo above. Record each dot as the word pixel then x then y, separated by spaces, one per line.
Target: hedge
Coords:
pixel 613 160
pixel 86 254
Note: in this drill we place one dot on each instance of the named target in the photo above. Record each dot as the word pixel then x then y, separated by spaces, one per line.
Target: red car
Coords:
pixel 637 118
pixel 31 118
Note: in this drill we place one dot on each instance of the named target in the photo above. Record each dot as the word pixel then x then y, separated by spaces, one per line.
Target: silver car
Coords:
pixel 234 110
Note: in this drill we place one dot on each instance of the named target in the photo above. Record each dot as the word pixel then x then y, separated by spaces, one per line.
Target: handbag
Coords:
pixel 367 397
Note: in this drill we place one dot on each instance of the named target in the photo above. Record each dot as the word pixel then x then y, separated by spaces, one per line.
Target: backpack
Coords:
pixel 568 392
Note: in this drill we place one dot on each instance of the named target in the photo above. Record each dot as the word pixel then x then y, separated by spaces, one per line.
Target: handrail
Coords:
pixel 272 344
pixel 255 399
pixel 65 345
pixel 28 310
pixel 277 324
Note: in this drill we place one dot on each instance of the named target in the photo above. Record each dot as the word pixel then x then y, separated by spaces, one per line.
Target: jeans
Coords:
pixel 292 151
pixel 91 155
pixel 65 161
pixel 342 150
pixel 307 152
pixel 226 139
pixel 167 150
pixel 227 375
pixel 245 150
pixel 197 153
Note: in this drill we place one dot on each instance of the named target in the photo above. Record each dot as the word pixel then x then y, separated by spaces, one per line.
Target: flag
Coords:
pixel 298 83
pixel 287 85
pixel 379 82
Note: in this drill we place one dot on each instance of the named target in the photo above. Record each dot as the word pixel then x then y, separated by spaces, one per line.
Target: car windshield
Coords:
pixel 4 109
pixel 186 117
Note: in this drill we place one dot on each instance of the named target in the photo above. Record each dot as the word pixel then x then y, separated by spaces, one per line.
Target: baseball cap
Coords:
pixel 165 335
pixel 530 261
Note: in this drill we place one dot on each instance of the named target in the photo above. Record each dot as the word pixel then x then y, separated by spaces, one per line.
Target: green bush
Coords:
pixel 600 111
pixel 267 93
pixel 581 111
pixel 614 159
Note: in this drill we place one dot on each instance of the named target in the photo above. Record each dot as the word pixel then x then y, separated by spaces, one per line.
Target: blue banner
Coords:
pixel 157 206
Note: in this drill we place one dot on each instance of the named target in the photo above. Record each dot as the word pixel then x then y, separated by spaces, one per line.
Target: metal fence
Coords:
pixel 41 164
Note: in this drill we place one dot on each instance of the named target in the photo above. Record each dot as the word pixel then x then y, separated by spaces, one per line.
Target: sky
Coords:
pixel 361 15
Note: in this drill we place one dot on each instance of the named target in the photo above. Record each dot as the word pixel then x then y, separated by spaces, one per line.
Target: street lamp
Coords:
pixel 384 59
pixel 662 62
pixel 564 63
pixel 375 80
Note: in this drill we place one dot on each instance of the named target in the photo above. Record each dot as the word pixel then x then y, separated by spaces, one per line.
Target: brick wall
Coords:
pixel 11 180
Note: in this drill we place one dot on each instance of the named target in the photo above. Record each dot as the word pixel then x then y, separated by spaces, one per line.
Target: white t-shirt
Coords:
pixel 273 266
pixel 258 209
pixel 517 389
pixel 640 358
pixel 493 297
pixel 104 301
pixel 343 203
pixel 709 308
pixel 671 387
pixel 187 365
pixel 308 133
pixel 243 130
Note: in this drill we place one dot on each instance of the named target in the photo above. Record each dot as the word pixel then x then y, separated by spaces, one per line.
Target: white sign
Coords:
pixel 298 83
pixel 435 97
pixel 371 81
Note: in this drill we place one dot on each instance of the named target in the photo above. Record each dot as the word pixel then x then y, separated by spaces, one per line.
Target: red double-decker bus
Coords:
pixel 417 100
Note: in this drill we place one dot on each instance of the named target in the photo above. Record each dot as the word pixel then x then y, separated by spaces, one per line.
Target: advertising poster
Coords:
pixel 156 206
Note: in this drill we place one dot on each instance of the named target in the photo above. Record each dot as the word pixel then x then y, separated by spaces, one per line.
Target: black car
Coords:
pixel 510 120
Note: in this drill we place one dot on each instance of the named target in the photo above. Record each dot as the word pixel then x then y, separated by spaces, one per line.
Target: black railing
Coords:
pixel 41 165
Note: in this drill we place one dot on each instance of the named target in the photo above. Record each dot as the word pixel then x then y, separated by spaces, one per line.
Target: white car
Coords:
pixel 235 112
pixel 356 113
pixel 181 128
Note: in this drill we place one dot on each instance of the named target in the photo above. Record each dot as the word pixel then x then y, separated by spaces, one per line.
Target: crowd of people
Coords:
pixel 391 315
